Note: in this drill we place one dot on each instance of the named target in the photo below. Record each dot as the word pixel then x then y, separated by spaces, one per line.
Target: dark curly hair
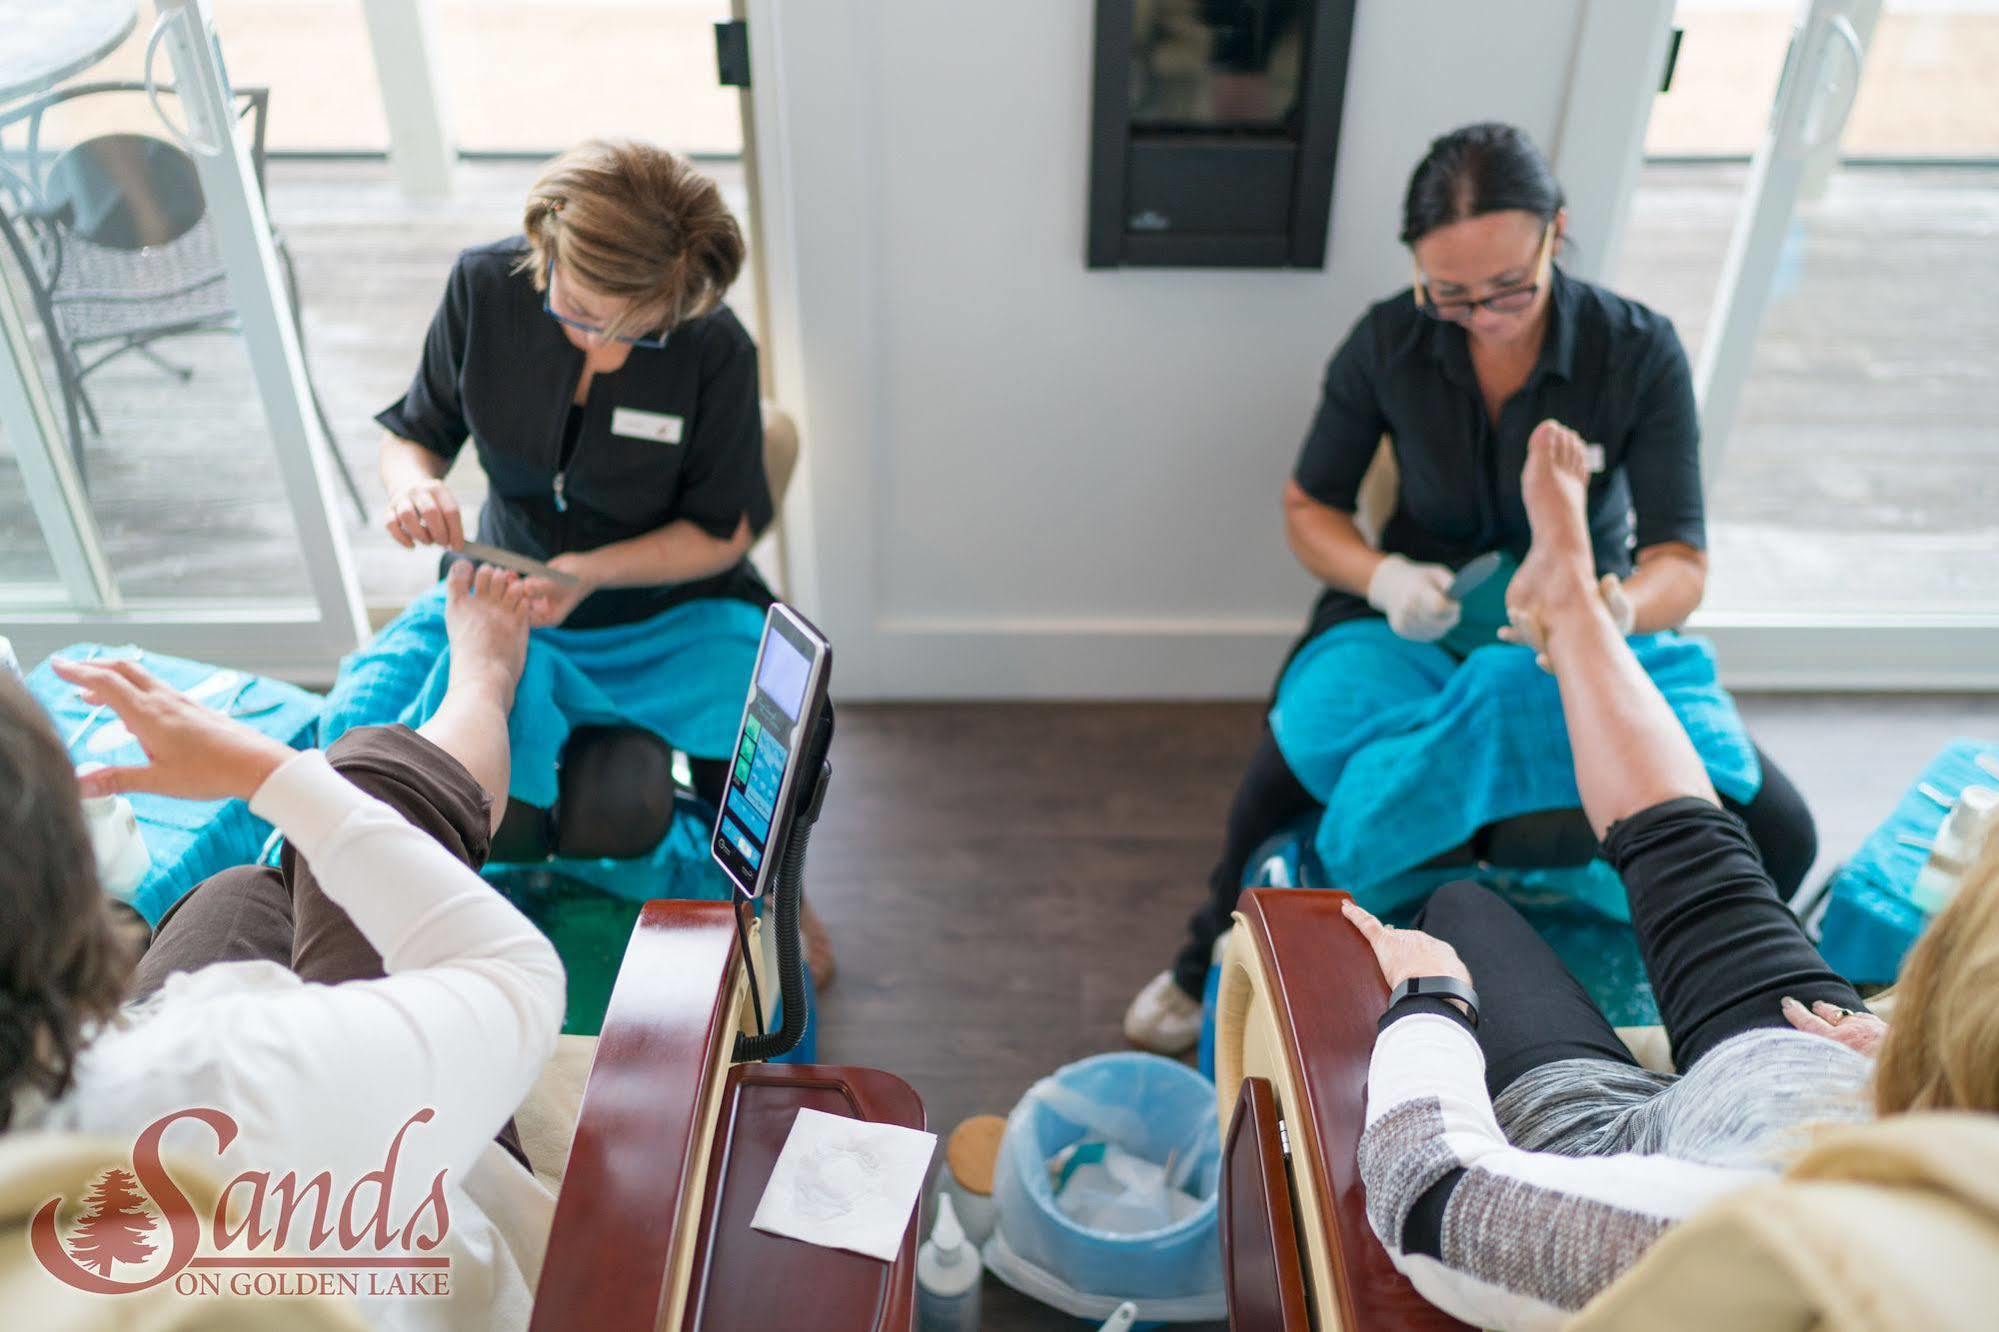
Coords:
pixel 63 962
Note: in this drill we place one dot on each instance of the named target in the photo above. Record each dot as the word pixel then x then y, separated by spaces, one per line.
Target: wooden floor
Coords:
pixel 1000 879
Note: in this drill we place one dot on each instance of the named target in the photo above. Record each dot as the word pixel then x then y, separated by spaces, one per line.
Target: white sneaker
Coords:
pixel 1162 1018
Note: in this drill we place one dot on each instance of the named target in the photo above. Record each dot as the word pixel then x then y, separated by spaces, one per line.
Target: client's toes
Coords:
pixel 1558 447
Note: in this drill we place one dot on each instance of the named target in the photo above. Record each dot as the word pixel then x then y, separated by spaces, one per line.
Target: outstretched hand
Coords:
pixel 194 753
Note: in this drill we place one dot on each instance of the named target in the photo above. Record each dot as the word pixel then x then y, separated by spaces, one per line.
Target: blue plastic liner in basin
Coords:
pixel 1153 1108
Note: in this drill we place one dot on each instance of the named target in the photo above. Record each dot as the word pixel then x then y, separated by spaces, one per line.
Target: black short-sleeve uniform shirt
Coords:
pixel 675 433
pixel 1609 368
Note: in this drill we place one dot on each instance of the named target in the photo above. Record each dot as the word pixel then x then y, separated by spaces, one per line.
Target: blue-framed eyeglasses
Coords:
pixel 655 341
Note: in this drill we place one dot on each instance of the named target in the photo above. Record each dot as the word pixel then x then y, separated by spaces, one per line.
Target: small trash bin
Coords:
pixel 1157 1111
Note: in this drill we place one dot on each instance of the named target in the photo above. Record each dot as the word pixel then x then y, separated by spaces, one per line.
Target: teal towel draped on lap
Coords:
pixel 188 840
pixel 682 674
pixel 1413 750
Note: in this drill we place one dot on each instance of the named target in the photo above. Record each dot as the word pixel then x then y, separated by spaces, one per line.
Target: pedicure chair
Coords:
pixel 1300 995
pixel 682 1120
pixel 674 1144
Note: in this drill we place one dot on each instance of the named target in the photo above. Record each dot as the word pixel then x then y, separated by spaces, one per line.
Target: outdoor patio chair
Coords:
pixel 113 238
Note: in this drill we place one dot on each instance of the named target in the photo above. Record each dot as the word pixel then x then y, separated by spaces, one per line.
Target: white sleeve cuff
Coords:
pixel 1426 1054
pixel 307 800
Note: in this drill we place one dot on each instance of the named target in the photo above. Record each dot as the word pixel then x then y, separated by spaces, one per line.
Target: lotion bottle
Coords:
pixel 948 1272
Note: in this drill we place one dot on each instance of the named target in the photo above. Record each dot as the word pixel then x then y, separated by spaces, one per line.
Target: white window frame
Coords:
pixel 296 640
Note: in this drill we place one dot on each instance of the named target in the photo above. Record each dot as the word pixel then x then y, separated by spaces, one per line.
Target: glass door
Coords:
pixel 1844 362
pixel 163 476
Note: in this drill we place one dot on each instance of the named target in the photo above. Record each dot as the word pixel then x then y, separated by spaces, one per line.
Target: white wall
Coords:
pixel 1023 478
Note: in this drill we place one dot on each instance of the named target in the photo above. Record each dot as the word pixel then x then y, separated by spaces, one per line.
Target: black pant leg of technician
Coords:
pixel 1780 823
pixel 1532 1009
pixel 1719 945
pixel 1268 798
pixel 710 778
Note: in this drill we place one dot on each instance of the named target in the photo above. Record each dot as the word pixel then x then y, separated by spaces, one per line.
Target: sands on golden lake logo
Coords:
pixel 268 1232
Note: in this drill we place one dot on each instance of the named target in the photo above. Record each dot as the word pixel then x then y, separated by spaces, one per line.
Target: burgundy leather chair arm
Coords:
pixel 624 1226
pixel 1261 1269
pixel 1326 995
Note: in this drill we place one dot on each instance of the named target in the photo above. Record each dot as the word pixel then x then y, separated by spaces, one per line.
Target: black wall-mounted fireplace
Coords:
pixel 1213 131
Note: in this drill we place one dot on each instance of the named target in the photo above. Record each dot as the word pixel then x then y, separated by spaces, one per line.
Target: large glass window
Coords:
pixel 538 75
pixel 158 482
pixel 1928 93
pixel 1861 473
pixel 114 264
pixel 313 55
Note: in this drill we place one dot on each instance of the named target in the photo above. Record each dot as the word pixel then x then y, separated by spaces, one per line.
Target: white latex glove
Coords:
pixel 1416 598
pixel 1611 588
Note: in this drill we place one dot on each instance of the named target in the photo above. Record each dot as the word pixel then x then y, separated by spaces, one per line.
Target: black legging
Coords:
pixel 1719 945
pixel 1270 797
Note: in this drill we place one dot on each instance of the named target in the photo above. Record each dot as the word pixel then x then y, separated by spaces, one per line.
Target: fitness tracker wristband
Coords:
pixel 1441 987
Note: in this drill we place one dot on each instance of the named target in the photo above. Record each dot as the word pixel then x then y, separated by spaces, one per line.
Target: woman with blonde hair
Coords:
pixel 1517 1160
pixel 612 399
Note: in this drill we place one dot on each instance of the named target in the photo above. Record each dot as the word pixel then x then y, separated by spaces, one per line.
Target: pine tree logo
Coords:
pixel 115 1227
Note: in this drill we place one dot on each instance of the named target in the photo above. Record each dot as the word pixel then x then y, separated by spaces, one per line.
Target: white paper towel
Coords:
pixel 846 1184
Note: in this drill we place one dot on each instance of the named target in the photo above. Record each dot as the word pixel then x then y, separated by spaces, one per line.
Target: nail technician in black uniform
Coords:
pixel 612 399
pixel 1491 342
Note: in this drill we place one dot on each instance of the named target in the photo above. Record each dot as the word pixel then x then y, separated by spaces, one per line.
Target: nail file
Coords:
pixel 520 564
pixel 1475 572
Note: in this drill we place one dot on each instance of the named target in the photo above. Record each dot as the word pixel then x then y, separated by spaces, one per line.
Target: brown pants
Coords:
pixel 256 913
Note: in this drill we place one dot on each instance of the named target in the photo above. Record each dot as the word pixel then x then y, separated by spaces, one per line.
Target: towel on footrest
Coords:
pixel 682 674
pixel 1871 917
pixel 189 840
pixel 1412 751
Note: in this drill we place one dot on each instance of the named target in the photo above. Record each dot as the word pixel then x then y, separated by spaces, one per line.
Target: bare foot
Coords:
pixel 1559 573
pixel 486 620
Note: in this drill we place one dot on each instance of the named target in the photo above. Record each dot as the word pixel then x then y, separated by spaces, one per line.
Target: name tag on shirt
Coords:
pixel 655 426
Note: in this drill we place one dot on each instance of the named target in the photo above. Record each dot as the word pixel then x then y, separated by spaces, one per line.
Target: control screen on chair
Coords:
pixel 787 693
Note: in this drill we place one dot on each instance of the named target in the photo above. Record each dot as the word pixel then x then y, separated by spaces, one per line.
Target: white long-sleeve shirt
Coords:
pixel 1526 1238
pixel 322 1077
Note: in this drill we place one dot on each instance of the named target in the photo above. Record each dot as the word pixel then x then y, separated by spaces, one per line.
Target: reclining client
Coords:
pixel 320 1004
pixel 1517 1159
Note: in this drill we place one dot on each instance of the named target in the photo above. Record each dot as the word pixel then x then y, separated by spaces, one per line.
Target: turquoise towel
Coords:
pixel 683 675
pixel 189 840
pixel 1870 919
pixel 1412 750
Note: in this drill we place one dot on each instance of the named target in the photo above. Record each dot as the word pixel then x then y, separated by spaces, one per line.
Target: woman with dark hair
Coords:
pixel 369 998
pixel 1491 345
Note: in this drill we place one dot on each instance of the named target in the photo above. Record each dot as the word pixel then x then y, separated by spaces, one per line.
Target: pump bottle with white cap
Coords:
pixel 948 1271
pixel 120 850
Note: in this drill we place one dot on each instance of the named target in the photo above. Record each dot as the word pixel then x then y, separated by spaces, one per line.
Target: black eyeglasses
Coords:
pixel 655 341
pixel 1511 301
